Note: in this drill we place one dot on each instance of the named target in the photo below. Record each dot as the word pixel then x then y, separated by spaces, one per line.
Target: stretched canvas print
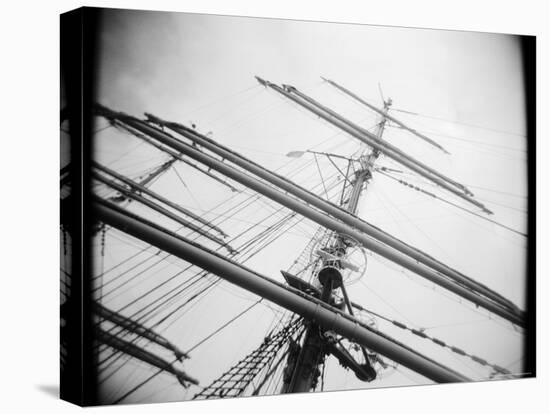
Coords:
pixel 256 206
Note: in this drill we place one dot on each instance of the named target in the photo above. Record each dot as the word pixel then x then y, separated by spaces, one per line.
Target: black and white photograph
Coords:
pixel 276 206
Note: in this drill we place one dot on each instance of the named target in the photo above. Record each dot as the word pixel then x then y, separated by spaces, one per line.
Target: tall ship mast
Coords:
pixel 349 254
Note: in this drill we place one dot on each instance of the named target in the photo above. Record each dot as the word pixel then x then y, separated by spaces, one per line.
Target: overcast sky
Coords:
pixel 200 69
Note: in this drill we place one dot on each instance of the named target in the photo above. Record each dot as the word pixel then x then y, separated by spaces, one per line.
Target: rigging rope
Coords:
pixel 381 171
pixel 458 122
pixel 226 324
pixel 234 382
pixel 320 175
pixel 421 333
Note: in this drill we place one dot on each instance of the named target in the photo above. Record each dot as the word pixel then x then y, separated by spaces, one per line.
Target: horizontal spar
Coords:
pixel 100 110
pixel 158 197
pixel 385 144
pixel 333 210
pixel 329 318
pixel 146 356
pixel 385 148
pixel 137 328
pixel 386 115
pixel 163 211
pixel 324 220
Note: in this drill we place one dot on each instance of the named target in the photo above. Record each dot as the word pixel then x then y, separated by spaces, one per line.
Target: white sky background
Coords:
pixel 201 69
